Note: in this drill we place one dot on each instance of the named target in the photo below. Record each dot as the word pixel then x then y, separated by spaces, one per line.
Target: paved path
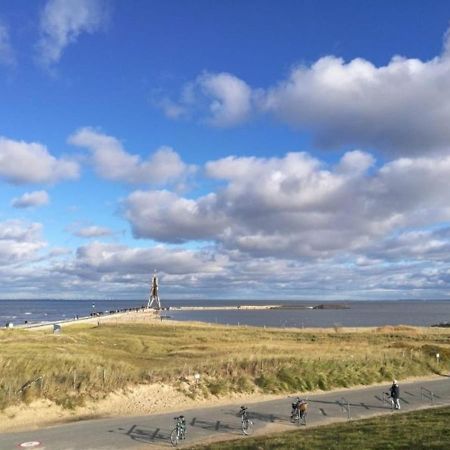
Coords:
pixel 205 424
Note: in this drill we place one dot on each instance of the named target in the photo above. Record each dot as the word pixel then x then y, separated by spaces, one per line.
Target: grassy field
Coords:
pixel 86 362
pixel 426 429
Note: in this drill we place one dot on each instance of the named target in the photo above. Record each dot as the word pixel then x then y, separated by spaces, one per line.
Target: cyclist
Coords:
pixel 299 407
pixel 183 426
pixel 246 423
pixel 179 432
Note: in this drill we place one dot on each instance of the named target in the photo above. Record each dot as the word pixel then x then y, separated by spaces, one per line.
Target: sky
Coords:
pixel 242 149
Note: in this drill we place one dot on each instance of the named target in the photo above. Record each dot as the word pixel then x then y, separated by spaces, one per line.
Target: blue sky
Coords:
pixel 251 149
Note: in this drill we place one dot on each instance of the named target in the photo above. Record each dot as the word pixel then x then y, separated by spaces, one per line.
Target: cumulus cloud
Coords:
pixel 31 199
pixel 20 242
pixel 23 162
pixel 63 21
pixel 106 261
pixel 164 216
pixel 298 206
pixel 92 231
pixel 219 99
pixel 7 54
pixel 112 162
pixel 401 108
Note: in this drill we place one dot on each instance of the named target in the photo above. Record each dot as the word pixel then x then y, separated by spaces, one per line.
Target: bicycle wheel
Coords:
pixel 247 427
pixel 174 437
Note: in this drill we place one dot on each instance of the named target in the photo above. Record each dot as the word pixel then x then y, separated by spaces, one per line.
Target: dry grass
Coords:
pixel 87 362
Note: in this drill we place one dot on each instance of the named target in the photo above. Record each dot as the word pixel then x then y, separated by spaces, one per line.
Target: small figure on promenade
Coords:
pixel 395 394
pixel 299 408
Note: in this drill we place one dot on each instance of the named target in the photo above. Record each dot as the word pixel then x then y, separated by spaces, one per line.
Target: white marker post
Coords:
pixel 437 358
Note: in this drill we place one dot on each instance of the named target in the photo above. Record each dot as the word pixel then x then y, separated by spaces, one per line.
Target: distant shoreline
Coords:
pixel 102 316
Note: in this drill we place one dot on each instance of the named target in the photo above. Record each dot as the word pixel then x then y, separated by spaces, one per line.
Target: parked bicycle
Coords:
pixel 179 432
pixel 299 411
pixel 246 423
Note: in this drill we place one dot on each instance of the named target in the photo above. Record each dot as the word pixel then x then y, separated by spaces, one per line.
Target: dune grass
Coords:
pixel 425 429
pixel 87 362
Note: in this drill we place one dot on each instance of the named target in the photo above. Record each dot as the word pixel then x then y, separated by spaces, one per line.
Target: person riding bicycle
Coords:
pixel 179 432
pixel 181 422
pixel 395 394
pixel 298 406
pixel 243 411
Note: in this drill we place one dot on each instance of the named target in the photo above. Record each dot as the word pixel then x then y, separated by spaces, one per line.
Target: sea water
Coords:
pixel 358 314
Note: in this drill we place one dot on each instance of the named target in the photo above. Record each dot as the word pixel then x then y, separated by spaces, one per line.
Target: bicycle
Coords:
pixel 246 423
pixel 394 402
pixel 179 432
pixel 299 411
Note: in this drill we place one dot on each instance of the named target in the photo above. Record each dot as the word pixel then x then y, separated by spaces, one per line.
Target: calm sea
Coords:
pixel 360 313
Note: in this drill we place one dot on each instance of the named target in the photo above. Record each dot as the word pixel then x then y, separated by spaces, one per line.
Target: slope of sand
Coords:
pixel 136 400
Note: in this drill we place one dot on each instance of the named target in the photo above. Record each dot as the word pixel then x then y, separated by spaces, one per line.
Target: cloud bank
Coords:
pixel 298 206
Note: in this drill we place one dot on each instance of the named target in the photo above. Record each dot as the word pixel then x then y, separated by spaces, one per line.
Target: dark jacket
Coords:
pixel 395 391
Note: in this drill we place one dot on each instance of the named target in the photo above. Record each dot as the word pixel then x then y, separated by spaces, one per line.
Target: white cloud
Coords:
pixel 299 207
pixel 220 99
pixel 112 260
pixel 92 231
pixel 112 162
pixel 63 21
pixel 30 199
pixel 402 107
pixel 20 242
pixel 165 216
pixel 22 162
pixel 7 55
pixel 171 109
pixel 230 98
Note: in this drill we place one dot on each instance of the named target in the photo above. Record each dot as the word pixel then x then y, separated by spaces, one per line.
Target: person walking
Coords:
pixel 395 394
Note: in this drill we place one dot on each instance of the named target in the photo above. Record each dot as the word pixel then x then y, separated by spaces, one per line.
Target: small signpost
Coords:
pixel 197 379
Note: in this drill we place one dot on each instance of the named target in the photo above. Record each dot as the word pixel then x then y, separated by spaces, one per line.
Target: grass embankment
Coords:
pixel 87 362
pixel 426 429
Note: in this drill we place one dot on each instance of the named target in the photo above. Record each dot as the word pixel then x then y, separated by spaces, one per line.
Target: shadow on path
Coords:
pixel 144 434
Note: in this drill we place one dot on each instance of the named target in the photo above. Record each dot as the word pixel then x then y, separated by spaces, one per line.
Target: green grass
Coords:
pixel 425 429
pixel 87 362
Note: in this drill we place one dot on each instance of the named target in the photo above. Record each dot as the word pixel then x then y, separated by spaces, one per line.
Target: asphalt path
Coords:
pixel 222 422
